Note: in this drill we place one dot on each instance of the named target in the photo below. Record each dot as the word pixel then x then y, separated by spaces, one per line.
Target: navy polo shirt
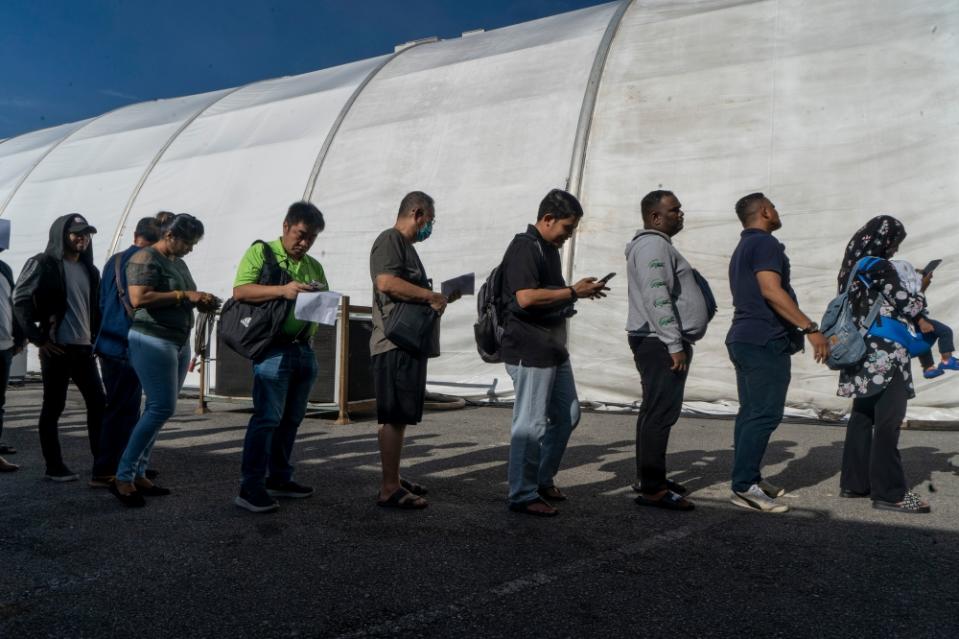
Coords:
pixel 754 321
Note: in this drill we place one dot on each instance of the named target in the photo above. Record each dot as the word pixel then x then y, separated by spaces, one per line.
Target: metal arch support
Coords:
pixel 577 165
pixel 328 142
pixel 156 160
pixel 29 172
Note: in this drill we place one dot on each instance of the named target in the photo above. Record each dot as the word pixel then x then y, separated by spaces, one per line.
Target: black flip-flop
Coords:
pixel 523 509
pixel 669 501
pixel 676 487
pixel 403 500
pixel 413 487
pixel 7 450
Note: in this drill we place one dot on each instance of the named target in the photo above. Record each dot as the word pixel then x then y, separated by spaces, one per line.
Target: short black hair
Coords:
pixel 746 206
pixel 148 228
pixel 305 213
pixel 163 217
pixel 415 200
pixel 650 200
pixel 560 205
pixel 183 226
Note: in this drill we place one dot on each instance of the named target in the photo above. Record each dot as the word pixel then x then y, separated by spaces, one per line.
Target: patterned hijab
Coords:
pixel 879 237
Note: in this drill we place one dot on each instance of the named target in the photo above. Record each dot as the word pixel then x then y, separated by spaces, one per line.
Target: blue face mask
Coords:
pixel 425 232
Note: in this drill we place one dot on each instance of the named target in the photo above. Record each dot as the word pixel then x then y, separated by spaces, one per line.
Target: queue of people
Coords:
pixel 138 317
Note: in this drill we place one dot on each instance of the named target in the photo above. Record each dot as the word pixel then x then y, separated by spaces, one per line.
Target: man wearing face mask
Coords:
pixel 56 304
pixel 538 302
pixel 399 376
pixel 284 375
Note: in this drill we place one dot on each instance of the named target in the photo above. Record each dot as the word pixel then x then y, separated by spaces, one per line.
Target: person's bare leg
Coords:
pixel 391 449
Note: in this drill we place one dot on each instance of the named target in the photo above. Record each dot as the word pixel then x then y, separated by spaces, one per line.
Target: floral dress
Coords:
pixel 883 358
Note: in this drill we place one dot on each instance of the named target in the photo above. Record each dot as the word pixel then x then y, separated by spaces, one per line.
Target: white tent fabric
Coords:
pixel 838 111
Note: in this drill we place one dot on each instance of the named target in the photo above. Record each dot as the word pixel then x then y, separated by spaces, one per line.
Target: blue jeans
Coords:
pixel 161 366
pixel 762 379
pixel 943 335
pixel 282 380
pixel 545 412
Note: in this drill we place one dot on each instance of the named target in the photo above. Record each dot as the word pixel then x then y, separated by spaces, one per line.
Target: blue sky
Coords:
pixel 65 60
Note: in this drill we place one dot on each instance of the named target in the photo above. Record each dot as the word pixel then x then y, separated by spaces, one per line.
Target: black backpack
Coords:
pixel 491 309
pixel 250 329
pixel 488 329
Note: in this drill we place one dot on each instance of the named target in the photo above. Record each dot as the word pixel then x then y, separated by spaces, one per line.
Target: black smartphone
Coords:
pixel 931 266
pixel 607 277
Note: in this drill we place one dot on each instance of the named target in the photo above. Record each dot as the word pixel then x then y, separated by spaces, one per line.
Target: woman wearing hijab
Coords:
pixel 164 295
pixel 881 384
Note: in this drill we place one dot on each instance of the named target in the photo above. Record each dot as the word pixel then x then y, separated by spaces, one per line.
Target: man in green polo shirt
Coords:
pixel 284 375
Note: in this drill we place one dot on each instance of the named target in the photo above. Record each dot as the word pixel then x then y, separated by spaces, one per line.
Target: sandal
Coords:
pixel 911 503
pixel 130 500
pixel 551 493
pixel 403 500
pixel 675 487
pixel 413 487
pixel 7 450
pixel 524 509
pixel 669 501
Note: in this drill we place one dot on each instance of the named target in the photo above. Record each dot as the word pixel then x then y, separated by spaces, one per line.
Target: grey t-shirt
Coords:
pixel 6 315
pixel 75 327
pixel 391 254
pixel 149 267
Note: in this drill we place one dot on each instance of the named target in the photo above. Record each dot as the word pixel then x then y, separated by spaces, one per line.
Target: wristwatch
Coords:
pixel 813 327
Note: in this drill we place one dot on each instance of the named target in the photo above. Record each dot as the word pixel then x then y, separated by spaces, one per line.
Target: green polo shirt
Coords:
pixel 305 270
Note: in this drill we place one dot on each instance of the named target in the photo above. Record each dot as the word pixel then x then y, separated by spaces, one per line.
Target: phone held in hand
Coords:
pixel 316 285
pixel 607 277
pixel 930 267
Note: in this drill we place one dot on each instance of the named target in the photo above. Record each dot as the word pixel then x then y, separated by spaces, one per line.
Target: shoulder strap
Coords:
pixel 121 290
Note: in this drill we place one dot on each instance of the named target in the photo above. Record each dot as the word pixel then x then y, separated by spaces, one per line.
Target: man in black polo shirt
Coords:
pixel 767 329
pixel 538 303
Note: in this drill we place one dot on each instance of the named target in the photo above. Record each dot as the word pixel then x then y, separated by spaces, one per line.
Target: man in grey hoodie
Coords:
pixel 667 314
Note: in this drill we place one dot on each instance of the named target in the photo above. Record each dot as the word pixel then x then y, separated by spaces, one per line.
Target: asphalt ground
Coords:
pixel 77 564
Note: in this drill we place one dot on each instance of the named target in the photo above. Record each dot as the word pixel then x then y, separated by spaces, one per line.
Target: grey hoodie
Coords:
pixel 664 298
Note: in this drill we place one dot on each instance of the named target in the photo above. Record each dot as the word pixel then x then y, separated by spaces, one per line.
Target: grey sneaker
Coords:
pixel 256 501
pixel 772 490
pixel 756 499
pixel 61 474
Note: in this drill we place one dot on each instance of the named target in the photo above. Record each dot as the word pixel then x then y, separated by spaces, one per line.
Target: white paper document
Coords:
pixel 464 284
pixel 320 307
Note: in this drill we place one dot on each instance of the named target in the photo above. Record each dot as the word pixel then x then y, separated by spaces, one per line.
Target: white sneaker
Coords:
pixel 756 499
pixel 771 490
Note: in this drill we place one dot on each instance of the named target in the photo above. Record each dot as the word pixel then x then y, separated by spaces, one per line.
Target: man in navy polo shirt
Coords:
pixel 767 329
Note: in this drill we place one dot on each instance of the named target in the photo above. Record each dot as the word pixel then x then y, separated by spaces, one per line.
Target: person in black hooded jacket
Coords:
pixel 56 305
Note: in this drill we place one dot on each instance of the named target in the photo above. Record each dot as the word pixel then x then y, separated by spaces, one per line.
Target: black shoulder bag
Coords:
pixel 410 324
pixel 250 329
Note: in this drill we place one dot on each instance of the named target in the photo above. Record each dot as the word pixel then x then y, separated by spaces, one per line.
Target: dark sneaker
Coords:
pixel 256 502
pixel 61 474
pixel 151 474
pixel 7 467
pixel 288 489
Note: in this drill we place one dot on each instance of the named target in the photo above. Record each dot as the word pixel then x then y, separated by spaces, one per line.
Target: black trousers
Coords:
pixel 6 357
pixel 870 456
pixel 122 412
pixel 77 364
pixel 662 404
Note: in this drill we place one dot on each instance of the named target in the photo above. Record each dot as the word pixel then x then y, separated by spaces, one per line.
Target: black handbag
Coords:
pixel 410 326
pixel 250 329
